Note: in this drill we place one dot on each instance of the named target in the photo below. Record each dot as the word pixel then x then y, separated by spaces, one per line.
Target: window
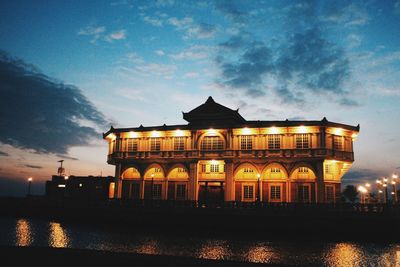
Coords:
pixel 328 168
pixel 329 193
pixel 303 169
pixel 131 144
pixel 214 168
pixel 338 142
pixel 180 170
pixel 248 170
pixel 155 144
pixel 135 191
pixel 275 170
pixel 275 192
pixel 246 142
pixel 203 168
pixel 302 141
pixel 248 192
pixel 179 143
pixel 181 191
pixel 212 143
pixel 274 141
pixel 303 192
pixel 157 170
pixel 156 191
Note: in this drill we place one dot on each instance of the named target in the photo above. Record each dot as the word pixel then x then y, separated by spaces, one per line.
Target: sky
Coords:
pixel 70 69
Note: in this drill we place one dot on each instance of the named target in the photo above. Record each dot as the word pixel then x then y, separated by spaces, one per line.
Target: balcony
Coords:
pixel 229 154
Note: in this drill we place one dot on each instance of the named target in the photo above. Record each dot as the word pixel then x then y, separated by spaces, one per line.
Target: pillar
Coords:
pixel 229 182
pixel 193 182
pixel 118 181
pixel 320 197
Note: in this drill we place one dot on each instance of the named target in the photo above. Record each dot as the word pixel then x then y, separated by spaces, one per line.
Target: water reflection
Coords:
pixel 260 254
pixel 214 249
pixel 58 237
pixel 23 233
pixel 149 247
pixel 346 255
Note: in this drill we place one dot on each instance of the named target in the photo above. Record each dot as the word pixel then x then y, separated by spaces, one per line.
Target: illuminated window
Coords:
pixel 303 170
pixel 275 170
pixel 275 192
pixel 329 193
pixel 248 170
pixel 179 143
pixel 157 170
pixel 303 193
pixel 157 188
pixel 155 144
pixel 203 168
pixel 248 192
pixel 338 142
pixel 214 168
pixel 181 191
pixel 328 168
pixel 135 191
pixel 113 148
pixel 180 170
pixel 212 143
pixel 274 141
pixel 302 141
pixel 246 142
pixel 131 144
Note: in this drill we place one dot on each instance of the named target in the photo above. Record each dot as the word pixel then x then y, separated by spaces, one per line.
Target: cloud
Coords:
pixel 353 40
pixel 42 114
pixel 195 52
pixel 396 8
pixel 228 8
pixel 356 176
pixel 4 154
pixel 349 15
pixel 160 52
pixel 191 75
pixel 153 21
pixel 94 32
pixel 180 23
pixel 117 35
pixel 191 29
pixel 33 166
pixel 164 3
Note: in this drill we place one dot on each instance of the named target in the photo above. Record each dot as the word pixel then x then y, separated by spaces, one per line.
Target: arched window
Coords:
pixel 212 143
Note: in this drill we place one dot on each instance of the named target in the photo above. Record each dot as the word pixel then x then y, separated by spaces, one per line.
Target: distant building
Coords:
pixel 79 187
pixel 219 155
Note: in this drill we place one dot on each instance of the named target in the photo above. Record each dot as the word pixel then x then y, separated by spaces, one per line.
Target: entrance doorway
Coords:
pixel 211 193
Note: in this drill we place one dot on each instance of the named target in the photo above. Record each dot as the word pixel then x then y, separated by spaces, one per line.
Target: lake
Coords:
pixel 35 232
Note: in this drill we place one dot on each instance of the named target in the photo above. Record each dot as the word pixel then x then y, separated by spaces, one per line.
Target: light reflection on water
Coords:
pixel 29 232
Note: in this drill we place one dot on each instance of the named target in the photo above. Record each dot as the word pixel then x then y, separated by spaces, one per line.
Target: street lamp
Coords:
pixel 368 187
pixel 363 191
pixel 152 185
pixel 258 187
pixel 394 182
pixel 29 185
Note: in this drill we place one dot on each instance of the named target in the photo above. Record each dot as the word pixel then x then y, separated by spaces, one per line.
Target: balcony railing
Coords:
pixel 226 154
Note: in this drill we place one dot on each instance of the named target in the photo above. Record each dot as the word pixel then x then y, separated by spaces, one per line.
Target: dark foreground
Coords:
pixel 40 256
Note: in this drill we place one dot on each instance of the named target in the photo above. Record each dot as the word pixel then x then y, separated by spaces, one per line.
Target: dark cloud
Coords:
pixel 40 113
pixel 33 166
pixel 228 8
pixel 4 154
pixel 66 157
pixel 301 61
pixel 358 176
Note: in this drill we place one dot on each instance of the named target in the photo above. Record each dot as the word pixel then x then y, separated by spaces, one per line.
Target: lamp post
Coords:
pixel 379 186
pixel 385 192
pixel 29 185
pixel 363 191
pixel 152 185
pixel 394 184
pixel 258 187
pixel 368 187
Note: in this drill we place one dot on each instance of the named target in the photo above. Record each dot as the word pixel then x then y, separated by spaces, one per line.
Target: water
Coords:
pixel 31 232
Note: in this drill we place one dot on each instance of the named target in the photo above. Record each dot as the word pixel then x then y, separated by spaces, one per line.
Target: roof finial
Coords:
pixel 210 99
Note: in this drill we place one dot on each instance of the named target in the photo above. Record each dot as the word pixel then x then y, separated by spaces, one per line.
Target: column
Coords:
pixel 229 182
pixel 320 190
pixel 193 182
pixel 118 181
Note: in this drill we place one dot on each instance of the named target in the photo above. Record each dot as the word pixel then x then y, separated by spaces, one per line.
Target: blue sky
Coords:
pixel 89 64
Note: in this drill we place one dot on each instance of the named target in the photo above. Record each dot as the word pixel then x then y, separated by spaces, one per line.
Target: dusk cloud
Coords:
pixel 3 154
pixel 43 114
pixel 33 166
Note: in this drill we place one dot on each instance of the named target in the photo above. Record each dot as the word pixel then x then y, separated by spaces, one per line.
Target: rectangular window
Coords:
pixel 248 192
pixel 180 170
pixel 303 169
pixel 157 170
pixel 157 191
pixel 212 143
pixel 330 193
pixel 181 191
pixel 246 142
pixel 304 193
pixel 155 144
pixel 131 144
pixel 214 167
pixel 179 143
pixel 248 170
pixel 135 191
pixel 275 192
pixel 338 142
pixel 275 170
pixel 302 141
pixel 274 141
pixel 328 168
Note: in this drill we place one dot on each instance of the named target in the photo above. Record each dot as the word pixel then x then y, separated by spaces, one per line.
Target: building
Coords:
pixel 219 156
pixel 79 187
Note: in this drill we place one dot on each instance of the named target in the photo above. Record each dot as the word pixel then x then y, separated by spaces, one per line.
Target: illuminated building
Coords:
pixel 219 155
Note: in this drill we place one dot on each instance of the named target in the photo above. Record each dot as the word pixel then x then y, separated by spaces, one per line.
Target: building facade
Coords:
pixel 220 156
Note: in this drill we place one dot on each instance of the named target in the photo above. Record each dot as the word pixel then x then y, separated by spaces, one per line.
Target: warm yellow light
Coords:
pixel 66 177
pixel 258 175
pixel 155 133
pixel 393 182
pixel 211 132
pixel 178 133
pixel 338 131
pixel 395 176
pixel 380 191
pixel 392 193
pixel 362 189
pixel 133 135
pixel 384 185
pixel 302 129
pixel 385 179
pixel 353 136
pixel 378 181
pixel 213 162
pixel 61 185
pixel 30 179
pixel 368 185
pixel 246 131
pixel 111 136
pixel 273 130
